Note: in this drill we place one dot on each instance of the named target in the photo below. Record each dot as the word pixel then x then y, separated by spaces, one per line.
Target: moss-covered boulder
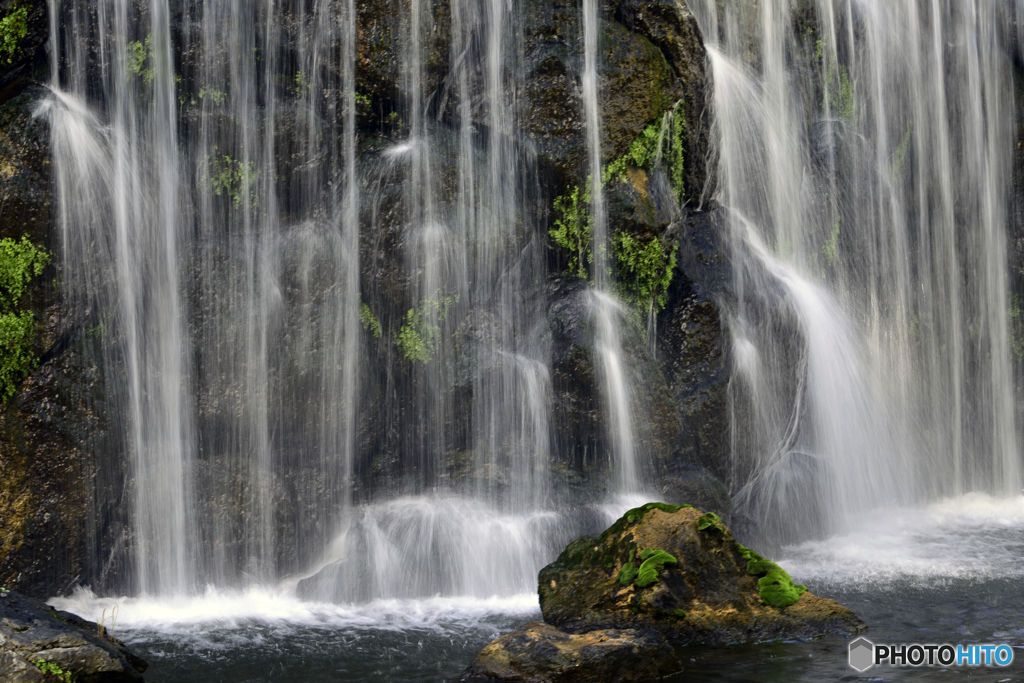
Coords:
pixel 678 571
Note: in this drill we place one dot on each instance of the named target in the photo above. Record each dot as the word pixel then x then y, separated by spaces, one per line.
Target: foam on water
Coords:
pixel 973 537
pixel 221 611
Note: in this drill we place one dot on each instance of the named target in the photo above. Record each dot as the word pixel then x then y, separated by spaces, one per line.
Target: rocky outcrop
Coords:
pixel 35 639
pixel 660 577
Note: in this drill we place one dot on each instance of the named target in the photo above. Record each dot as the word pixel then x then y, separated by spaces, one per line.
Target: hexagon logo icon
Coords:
pixel 862 654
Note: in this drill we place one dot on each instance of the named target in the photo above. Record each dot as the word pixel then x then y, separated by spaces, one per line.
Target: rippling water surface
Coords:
pixel 947 573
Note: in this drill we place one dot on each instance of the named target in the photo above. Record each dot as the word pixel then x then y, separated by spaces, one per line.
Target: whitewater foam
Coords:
pixel 974 537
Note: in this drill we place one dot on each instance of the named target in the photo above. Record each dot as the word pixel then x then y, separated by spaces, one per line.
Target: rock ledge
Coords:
pixel 32 631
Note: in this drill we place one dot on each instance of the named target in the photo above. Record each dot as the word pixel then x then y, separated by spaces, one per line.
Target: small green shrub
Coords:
pixel 369 320
pixel 233 178
pixel 645 270
pixel 420 335
pixel 19 263
pixel 139 53
pixel 54 670
pixel 572 229
pixel 13 28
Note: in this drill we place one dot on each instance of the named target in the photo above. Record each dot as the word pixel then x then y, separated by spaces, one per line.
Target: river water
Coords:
pixel 949 572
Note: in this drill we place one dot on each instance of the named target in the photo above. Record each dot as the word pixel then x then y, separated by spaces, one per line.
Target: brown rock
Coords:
pixel 540 653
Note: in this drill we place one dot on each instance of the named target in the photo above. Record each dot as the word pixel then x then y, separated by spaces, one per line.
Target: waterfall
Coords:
pixel 225 288
pixel 865 164
pixel 606 310
pixel 211 199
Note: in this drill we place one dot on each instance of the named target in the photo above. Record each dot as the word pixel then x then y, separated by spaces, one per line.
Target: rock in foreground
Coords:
pixel 31 631
pixel 662 576
pixel 540 653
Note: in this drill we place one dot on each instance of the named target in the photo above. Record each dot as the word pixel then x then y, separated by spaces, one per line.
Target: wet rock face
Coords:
pixel 693 346
pixel 539 652
pixel 649 59
pixel 699 591
pixel 51 488
pixel 31 631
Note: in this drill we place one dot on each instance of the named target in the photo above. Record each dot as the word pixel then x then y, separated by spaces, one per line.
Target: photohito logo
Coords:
pixel 864 654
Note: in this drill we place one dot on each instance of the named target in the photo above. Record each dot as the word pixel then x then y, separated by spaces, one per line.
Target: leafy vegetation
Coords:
pixel 420 334
pixel 645 270
pixel 13 28
pixel 572 231
pixel 644 266
pixel 369 320
pixel 233 178
pixel 139 54
pixel 50 669
pixel 19 263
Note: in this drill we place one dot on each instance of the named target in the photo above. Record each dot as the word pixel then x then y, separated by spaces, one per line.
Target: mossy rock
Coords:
pixel 678 570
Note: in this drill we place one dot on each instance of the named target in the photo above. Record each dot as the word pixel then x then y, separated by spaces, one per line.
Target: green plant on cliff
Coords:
pixel 369 320
pixel 13 28
pixel 53 671
pixel 573 228
pixel 774 583
pixel 19 263
pixel 645 270
pixel 138 54
pixel 233 178
pixel 420 334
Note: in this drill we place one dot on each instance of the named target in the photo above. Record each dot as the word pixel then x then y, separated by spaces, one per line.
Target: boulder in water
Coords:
pixel 662 576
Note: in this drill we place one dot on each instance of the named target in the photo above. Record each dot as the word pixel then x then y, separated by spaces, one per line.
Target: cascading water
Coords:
pixel 865 163
pixel 211 206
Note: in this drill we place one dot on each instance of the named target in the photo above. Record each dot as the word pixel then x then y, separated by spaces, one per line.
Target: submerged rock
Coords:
pixel 540 652
pixel 32 632
pixel 662 576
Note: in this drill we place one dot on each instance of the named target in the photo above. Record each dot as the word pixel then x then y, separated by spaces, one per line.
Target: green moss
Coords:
pixel 636 513
pixel 709 520
pixel 679 613
pixel 775 585
pixel 13 28
pixel 573 228
pixel 20 262
pixel 629 571
pixel 654 563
